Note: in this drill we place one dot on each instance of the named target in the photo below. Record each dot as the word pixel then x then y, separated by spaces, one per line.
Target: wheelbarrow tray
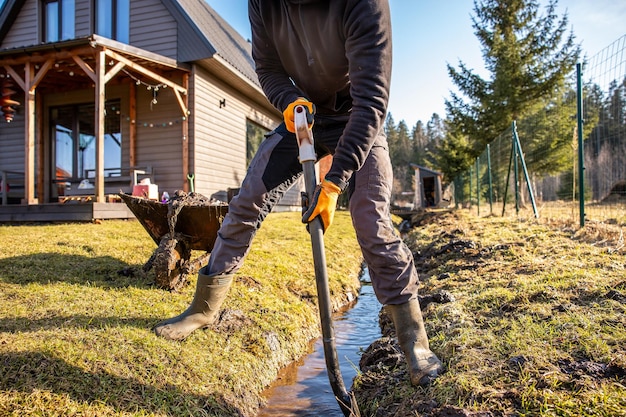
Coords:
pixel 198 223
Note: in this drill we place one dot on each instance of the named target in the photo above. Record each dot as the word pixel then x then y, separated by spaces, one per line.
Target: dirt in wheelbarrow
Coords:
pixel 187 222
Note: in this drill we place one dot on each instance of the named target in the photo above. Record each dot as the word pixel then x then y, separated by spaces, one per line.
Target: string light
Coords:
pixel 166 123
pixel 150 87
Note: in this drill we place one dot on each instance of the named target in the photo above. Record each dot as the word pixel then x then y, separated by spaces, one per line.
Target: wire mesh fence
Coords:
pixel 575 141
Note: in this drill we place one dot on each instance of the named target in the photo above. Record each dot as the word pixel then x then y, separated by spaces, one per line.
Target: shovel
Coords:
pixel 304 135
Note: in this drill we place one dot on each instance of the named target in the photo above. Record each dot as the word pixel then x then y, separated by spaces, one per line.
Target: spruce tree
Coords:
pixel 528 56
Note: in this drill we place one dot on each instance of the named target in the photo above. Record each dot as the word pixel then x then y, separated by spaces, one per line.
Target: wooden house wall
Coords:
pixel 160 138
pixel 82 23
pixel 152 26
pixel 219 135
pixel 22 33
pixel 12 144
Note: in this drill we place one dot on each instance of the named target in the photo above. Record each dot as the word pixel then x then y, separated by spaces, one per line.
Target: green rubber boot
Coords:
pixel 210 293
pixel 424 366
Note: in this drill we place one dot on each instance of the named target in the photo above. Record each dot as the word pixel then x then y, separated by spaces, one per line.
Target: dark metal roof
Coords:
pixel 425 170
pixel 198 20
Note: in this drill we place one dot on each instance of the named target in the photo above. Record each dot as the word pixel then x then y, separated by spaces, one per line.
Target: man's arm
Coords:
pixel 369 52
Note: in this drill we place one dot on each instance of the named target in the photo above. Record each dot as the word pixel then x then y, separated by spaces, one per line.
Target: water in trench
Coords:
pixel 302 388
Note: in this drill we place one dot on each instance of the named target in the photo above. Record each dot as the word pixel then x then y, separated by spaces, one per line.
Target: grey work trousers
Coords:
pixel 275 167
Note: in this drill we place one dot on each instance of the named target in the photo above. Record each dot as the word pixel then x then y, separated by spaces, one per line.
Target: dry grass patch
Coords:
pixel 535 324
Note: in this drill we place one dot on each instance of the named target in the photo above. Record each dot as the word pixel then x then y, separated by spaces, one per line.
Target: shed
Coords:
pixel 428 188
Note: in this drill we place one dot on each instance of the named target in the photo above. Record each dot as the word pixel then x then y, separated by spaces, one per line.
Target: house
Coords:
pixel 428 191
pixel 98 95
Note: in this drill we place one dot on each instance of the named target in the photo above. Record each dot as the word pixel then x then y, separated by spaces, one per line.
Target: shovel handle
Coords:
pixel 304 135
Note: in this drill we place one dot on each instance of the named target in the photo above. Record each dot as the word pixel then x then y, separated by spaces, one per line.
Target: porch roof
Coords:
pixel 75 59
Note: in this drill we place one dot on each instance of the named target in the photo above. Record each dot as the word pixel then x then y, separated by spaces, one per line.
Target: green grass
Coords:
pixel 76 338
pixel 537 326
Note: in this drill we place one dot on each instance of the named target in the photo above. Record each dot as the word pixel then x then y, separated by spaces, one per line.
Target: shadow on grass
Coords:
pixel 24 324
pixel 43 268
pixel 25 372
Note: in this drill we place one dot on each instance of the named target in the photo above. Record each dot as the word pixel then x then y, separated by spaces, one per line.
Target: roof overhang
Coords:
pixel 70 61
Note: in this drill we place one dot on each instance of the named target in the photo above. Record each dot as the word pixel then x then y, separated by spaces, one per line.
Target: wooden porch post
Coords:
pixel 99 124
pixel 132 130
pixel 29 140
pixel 29 85
pixel 185 133
pixel 43 194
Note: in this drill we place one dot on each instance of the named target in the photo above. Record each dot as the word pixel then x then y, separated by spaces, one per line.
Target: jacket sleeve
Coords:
pixel 369 52
pixel 274 80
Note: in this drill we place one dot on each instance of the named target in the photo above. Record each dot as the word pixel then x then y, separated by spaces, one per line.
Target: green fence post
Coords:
pixel 515 170
pixel 521 155
pixel 581 159
pixel 490 180
pixel 508 177
pixel 478 186
pixel 470 188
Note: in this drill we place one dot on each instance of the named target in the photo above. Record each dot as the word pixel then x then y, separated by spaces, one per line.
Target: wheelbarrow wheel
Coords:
pixel 168 262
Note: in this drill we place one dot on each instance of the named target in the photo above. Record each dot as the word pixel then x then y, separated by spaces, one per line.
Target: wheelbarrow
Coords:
pixel 188 221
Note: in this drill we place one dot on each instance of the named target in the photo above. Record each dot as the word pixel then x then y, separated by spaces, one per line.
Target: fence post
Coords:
pixel 478 186
pixel 508 176
pixel 515 170
pixel 470 188
pixel 521 155
pixel 490 179
pixel 581 159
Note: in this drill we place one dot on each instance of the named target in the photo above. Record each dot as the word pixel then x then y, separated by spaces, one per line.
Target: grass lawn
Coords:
pixel 76 312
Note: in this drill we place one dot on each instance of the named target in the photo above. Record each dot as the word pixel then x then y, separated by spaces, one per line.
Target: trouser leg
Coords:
pixel 390 262
pixel 272 171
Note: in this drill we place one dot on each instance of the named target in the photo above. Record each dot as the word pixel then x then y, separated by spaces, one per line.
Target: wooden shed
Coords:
pixel 428 188
pixel 99 95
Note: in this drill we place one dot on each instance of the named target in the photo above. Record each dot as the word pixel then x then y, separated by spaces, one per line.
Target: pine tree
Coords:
pixel 528 55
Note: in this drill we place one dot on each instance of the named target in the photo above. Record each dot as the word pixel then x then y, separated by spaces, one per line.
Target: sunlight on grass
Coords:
pixel 76 338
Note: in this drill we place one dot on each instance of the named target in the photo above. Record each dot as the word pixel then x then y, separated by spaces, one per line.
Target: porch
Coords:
pixel 69 211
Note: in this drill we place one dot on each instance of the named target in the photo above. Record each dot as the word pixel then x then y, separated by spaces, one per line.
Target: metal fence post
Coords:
pixel 478 185
pixel 490 179
pixel 581 159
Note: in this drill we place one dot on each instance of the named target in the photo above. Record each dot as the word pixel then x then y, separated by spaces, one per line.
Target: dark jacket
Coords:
pixel 338 55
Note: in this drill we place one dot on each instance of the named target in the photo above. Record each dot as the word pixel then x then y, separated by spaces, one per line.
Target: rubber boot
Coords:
pixel 210 293
pixel 424 366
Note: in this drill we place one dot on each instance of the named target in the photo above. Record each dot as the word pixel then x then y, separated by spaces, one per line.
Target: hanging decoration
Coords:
pixel 150 87
pixel 7 104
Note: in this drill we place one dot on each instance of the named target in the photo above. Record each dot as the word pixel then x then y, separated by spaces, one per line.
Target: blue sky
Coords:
pixel 428 34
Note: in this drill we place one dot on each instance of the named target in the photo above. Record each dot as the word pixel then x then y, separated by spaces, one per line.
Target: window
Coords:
pixel 112 19
pixel 254 136
pixel 74 140
pixel 58 20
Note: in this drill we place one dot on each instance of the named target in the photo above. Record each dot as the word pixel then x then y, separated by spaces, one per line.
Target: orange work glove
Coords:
pixel 288 113
pixel 323 204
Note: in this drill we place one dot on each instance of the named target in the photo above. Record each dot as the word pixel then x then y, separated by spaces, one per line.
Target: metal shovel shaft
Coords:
pixel 316 231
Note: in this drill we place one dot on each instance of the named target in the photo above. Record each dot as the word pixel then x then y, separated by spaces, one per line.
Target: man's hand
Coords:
pixel 289 117
pixel 323 204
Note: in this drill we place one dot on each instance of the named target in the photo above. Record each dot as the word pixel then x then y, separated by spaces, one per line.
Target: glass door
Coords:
pixel 74 144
